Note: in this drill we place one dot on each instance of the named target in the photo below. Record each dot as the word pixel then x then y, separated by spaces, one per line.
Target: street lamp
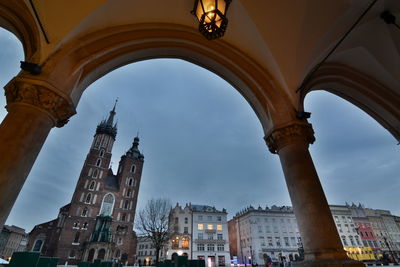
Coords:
pixel 211 15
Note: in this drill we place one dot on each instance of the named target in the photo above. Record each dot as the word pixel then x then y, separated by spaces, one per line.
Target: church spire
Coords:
pixel 108 126
pixel 110 119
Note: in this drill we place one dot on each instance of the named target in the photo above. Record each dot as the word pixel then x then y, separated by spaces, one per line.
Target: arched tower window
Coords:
pixel 129 193
pixel 84 212
pixel 38 245
pixel 88 198
pixel 95 173
pixel 72 254
pixel 130 181
pixel 133 168
pixel 76 239
pixel 107 205
pixel 98 162
pixel 123 217
pixel 126 204
pixel 101 153
pixel 92 185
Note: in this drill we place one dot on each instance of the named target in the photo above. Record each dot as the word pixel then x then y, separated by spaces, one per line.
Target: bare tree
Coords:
pixel 153 223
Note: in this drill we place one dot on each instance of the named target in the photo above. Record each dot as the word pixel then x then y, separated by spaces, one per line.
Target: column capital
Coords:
pixel 40 95
pixel 287 133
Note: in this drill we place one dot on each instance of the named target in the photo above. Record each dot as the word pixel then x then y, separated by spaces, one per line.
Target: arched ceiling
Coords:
pixel 286 37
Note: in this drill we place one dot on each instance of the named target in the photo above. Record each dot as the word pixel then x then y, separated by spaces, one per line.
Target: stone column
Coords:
pixel 321 242
pixel 34 107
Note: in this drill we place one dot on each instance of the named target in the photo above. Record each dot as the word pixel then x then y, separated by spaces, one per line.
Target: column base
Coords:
pixel 329 263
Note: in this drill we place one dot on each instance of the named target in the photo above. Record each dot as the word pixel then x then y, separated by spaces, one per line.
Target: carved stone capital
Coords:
pixel 40 95
pixel 289 133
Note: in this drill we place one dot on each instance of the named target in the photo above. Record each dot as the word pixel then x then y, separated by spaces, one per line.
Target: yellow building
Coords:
pixel 360 253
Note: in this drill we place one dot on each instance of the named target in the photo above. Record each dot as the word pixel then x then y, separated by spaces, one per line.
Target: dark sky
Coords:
pixel 202 143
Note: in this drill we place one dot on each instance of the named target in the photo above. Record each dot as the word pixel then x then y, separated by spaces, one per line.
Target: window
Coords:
pixel 278 241
pixel 200 236
pixel 95 173
pixel 176 220
pixel 126 204
pixel 101 153
pixel 76 225
pixel 221 260
pixel 220 247
pixel 209 217
pixel 185 230
pixel 123 217
pixel 210 247
pixel 71 254
pixel 185 243
pixel 200 217
pixel 92 185
pixel 133 168
pixel 200 226
pixel 210 226
pixel 287 241
pixel 38 245
pixel 186 220
pixel 219 236
pixel 129 193
pixel 175 243
pixel 270 241
pixel 210 236
pixel 107 205
pixel 85 225
pixel 88 198
pixel 219 218
pixel 200 247
pixel 98 162
pixel 84 212
pixel 76 239
pixel 219 227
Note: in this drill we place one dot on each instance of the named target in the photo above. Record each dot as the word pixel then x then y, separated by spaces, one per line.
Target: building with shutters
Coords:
pixel 98 223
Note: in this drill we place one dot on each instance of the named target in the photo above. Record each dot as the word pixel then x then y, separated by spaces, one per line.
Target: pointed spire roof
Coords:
pixel 108 126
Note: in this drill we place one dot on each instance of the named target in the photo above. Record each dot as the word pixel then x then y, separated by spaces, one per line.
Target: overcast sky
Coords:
pixel 202 143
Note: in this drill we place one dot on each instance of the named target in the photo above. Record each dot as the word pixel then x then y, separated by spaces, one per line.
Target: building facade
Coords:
pixel 345 226
pixel 145 252
pixel 180 227
pixel 199 232
pixel 257 235
pixel 98 223
pixel 12 239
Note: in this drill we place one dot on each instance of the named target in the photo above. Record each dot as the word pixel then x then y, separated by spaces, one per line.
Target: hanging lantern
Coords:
pixel 212 17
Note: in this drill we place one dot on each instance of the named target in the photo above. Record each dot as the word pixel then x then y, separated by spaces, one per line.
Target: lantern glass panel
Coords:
pixel 222 6
pixel 199 10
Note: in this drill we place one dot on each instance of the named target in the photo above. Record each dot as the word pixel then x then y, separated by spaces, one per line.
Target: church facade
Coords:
pixel 98 223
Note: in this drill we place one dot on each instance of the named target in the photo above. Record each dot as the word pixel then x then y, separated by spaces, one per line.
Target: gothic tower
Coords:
pixel 100 217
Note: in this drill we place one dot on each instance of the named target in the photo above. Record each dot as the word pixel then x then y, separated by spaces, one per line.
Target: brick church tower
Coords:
pixel 98 223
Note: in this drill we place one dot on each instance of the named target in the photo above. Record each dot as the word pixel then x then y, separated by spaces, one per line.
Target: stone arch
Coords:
pixel 80 62
pixel 16 17
pixel 359 89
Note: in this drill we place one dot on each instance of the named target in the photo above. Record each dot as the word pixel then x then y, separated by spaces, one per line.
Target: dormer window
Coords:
pixel 133 168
